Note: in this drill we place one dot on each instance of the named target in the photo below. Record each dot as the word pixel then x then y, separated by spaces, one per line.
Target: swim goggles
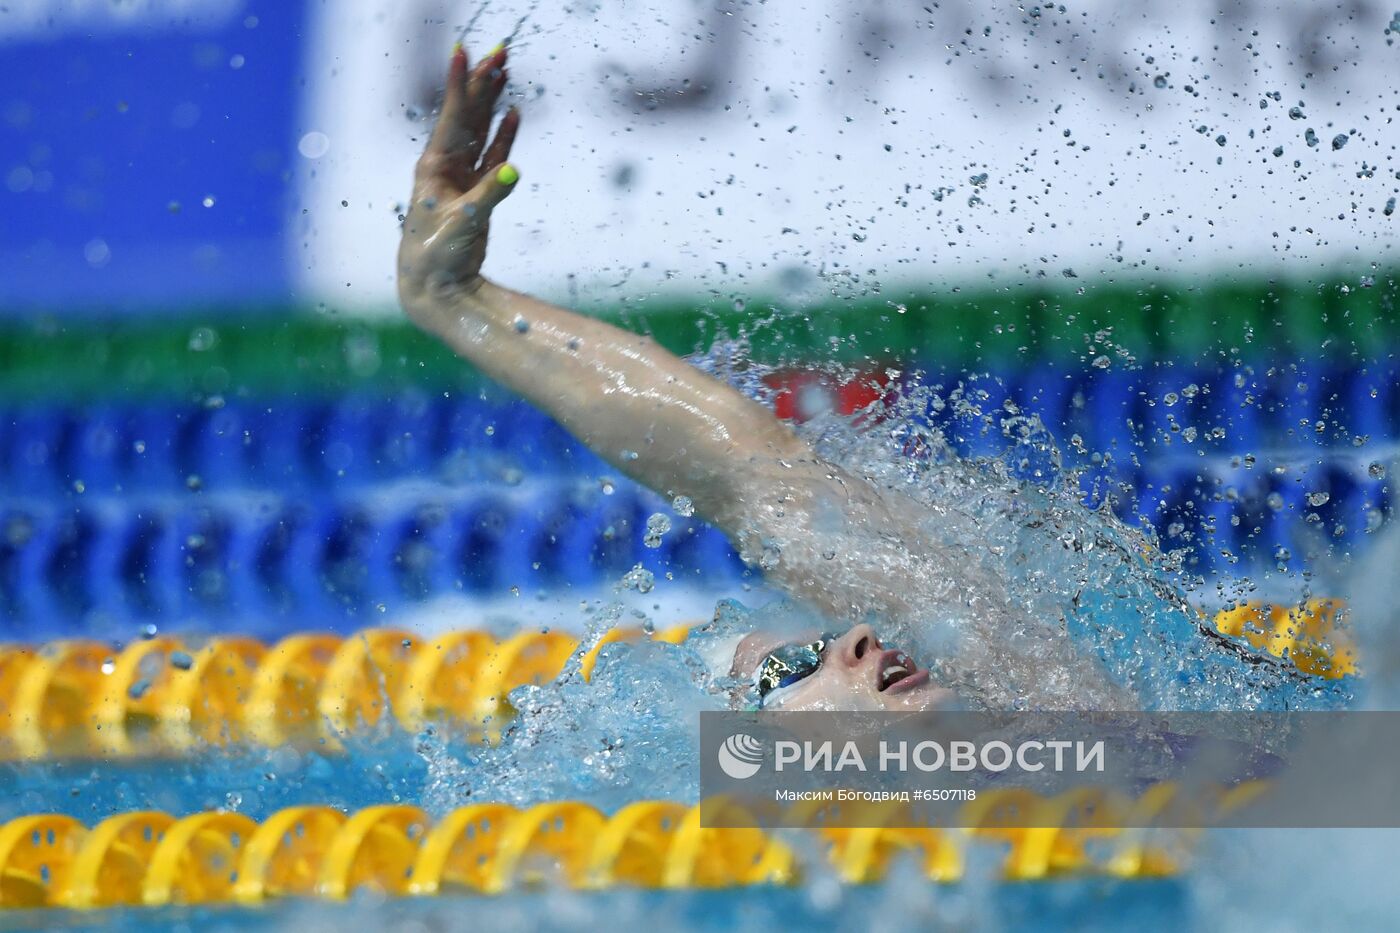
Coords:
pixel 788 664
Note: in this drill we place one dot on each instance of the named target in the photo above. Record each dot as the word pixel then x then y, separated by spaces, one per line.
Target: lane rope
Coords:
pixel 161 697
pixel 153 858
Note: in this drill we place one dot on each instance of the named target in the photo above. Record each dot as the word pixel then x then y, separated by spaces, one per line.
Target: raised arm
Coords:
pixel 822 533
pixel 642 409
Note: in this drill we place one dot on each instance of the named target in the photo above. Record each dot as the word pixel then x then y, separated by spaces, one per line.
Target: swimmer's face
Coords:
pixel 856 672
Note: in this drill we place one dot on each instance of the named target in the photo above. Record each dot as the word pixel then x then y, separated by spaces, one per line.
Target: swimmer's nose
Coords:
pixel 858 644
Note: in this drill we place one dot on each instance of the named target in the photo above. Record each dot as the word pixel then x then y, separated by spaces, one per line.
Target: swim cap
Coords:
pixel 718 653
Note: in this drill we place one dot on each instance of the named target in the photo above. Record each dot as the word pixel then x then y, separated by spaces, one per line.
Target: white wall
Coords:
pixel 782 174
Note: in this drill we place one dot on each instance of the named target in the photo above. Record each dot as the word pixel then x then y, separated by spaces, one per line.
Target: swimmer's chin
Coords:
pixel 930 696
pixel 927 697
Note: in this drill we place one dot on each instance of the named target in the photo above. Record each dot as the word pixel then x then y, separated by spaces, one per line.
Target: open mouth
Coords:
pixel 897 672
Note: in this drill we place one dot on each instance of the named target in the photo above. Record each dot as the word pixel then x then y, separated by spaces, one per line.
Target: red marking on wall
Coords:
pixel 800 393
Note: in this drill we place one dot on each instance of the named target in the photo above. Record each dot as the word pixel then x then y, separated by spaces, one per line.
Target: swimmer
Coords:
pixel 846 545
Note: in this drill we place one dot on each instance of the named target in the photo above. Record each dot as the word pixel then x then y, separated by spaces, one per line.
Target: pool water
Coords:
pixel 1076 906
pixel 376 547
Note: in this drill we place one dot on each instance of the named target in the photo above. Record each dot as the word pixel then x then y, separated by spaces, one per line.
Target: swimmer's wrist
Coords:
pixel 436 304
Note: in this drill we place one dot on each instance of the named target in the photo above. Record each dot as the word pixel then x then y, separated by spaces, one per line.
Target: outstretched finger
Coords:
pixel 499 150
pixel 454 103
pixel 484 86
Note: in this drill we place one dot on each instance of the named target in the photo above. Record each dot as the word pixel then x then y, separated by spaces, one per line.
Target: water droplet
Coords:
pixel 639 579
pixel 1375 518
pixel 683 506
pixel 181 660
pixel 657 526
pixel 314 144
pixel 1376 471
pixel 1339 141
pixel 1159 82
pixel 203 338
pixel 1316 499
pixel 97 253
pixel 520 325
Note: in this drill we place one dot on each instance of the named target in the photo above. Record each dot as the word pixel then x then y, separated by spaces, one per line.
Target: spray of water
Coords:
pixel 1026 599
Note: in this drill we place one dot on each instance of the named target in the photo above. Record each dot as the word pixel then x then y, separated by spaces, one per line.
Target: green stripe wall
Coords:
pixel 275 351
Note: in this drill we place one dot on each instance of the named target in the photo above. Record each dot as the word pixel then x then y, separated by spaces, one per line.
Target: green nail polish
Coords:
pixel 507 175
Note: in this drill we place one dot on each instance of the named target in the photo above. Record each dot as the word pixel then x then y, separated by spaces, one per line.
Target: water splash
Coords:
pixel 628 733
pixel 1018 594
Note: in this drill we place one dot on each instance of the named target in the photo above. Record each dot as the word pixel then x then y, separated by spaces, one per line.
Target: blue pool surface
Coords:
pixel 1071 906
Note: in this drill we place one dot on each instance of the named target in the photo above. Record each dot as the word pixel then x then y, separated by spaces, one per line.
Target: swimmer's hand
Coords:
pixel 458 180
